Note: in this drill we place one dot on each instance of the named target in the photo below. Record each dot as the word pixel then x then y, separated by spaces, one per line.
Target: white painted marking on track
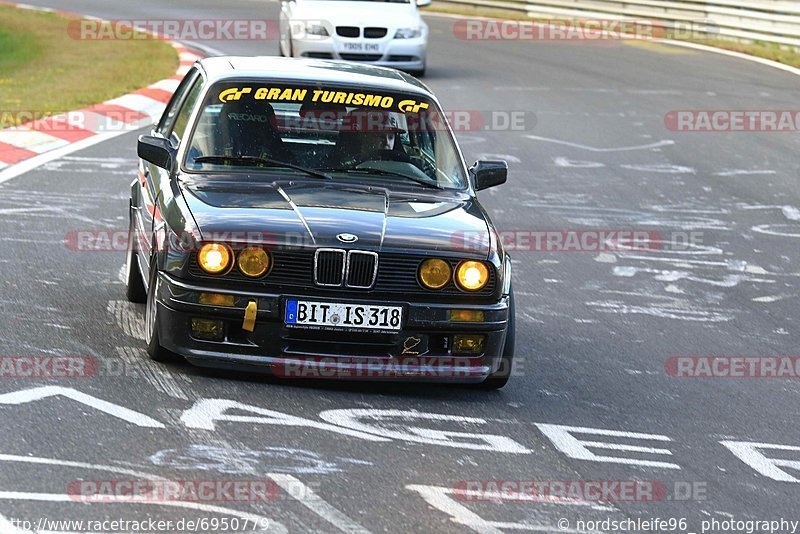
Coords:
pixel 660 168
pixel 441 499
pixel 575 164
pixel 205 414
pixel 316 504
pixel 664 312
pixel 749 453
pixel 274 526
pixel 791 213
pixel 507 157
pixel 665 142
pixel 32 140
pixel 356 419
pixel 562 438
pixel 744 172
pixel 777 230
pixel 35 394
pixel 35 162
pixel 6 527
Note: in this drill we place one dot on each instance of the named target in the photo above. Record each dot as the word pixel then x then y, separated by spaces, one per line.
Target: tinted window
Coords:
pixel 364 135
pixel 182 118
pixel 168 119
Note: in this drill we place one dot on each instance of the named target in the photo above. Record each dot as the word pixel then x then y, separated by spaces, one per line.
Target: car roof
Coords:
pixel 221 68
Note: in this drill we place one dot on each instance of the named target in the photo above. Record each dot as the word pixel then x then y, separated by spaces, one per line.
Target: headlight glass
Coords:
pixel 253 262
pixel 434 273
pixel 301 30
pixel 316 29
pixel 408 33
pixel 215 258
pixel 472 275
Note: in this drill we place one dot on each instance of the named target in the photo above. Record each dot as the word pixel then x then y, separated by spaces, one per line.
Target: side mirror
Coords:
pixel 489 174
pixel 157 151
pixel 423 3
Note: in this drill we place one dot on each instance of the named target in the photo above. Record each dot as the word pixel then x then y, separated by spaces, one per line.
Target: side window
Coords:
pixel 182 118
pixel 168 118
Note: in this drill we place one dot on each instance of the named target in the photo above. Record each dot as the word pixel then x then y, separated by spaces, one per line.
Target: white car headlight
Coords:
pixel 302 29
pixel 408 33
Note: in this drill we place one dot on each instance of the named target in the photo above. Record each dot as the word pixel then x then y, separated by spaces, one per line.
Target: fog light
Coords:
pixel 216 299
pixel 207 329
pixel 468 344
pixel 467 316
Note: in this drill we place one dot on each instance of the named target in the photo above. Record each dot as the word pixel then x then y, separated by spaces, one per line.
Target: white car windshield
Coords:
pixel 374 136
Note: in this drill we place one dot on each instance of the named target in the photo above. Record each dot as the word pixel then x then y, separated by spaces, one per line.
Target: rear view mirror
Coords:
pixel 157 151
pixel 489 174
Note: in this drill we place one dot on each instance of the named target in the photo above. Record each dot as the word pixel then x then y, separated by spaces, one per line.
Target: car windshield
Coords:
pixel 374 136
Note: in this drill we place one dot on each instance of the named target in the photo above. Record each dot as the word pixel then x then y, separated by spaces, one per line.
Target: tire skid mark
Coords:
pixel 136 362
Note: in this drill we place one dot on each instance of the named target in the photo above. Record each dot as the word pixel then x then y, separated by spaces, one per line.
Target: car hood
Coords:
pixel 310 214
pixel 344 13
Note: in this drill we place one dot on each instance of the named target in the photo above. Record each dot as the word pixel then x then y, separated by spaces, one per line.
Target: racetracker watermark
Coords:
pixel 175 29
pixel 99 120
pixel 579 491
pixel 722 120
pixel 47 367
pixel 336 119
pixel 733 366
pixel 398 369
pixel 529 240
pixel 579 30
pixel 161 491
pixel 592 241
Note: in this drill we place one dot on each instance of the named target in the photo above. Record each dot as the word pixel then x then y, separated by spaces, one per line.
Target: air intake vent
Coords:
pixel 361 269
pixel 329 267
pixel 374 33
pixel 348 31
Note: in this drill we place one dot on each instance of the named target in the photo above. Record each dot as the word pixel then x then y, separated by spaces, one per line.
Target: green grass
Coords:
pixel 43 68
pixel 774 52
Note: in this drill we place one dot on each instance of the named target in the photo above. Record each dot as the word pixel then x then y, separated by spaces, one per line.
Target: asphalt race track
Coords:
pixel 595 330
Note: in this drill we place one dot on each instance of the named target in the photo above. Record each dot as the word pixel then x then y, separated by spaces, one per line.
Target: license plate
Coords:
pixel 361 47
pixel 346 316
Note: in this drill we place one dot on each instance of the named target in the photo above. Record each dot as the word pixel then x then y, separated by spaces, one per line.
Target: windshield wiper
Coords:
pixel 267 162
pixel 381 172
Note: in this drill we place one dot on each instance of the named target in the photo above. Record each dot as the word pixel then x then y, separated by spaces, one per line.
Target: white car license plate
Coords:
pixel 349 316
pixel 361 47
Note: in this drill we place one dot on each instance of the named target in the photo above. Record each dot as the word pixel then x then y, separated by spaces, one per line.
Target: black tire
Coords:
pixel 154 349
pixel 500 378
pixel 134 284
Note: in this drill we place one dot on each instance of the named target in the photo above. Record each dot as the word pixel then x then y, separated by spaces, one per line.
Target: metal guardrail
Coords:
pixel 772 21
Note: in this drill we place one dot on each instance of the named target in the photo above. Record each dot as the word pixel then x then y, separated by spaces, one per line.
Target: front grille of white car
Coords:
pixel 375 33
pixel 348 31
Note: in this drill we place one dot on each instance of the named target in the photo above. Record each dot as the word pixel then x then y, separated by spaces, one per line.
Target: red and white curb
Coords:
pixel 86 126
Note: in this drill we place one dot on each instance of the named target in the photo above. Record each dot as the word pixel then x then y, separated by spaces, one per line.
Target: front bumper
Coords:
pixel 402 54
pixel 276 349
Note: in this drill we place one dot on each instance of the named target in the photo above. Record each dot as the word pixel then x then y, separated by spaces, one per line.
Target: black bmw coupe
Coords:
pixel 316 219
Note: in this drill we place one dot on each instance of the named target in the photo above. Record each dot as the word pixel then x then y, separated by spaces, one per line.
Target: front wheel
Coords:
pixel 500 378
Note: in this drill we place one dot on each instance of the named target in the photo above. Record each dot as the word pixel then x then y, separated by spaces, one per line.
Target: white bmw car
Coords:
pixel 380 32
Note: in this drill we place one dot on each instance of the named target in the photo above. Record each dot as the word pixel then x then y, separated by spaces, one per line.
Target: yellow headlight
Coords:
pixel 472 275
pixel 253 262
pixel 434 273
pixel 214 258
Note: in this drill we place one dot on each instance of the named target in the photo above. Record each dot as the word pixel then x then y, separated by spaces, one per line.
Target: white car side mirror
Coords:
pixel 423 3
